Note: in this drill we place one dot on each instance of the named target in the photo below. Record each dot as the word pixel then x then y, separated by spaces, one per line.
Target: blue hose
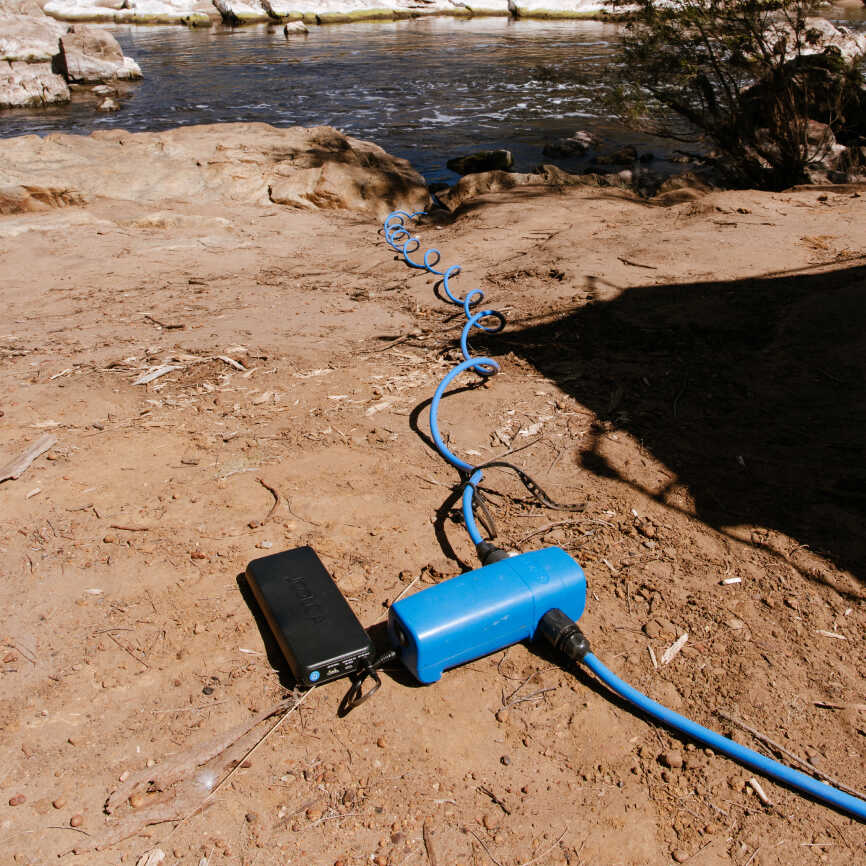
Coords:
pixel 404 242
pixel 754 760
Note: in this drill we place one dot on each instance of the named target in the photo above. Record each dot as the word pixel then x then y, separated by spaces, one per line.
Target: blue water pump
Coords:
pixel 531 595
pixel 484 610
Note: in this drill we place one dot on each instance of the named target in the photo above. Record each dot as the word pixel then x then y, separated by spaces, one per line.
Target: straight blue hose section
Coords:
pixel 468 514
pixel 749 758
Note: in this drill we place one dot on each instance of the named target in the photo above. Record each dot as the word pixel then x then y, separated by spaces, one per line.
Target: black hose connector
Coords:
pixel 564 635
pixel 489 553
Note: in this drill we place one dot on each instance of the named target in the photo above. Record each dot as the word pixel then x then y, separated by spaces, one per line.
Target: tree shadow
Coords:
pixel 751 392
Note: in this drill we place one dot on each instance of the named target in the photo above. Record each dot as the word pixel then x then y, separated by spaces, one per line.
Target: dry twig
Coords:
pixel 428 843
pixel 780 748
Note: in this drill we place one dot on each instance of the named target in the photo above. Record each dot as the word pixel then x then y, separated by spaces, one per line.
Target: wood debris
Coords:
pixel 17 466
pixel 155 373
pixel 671 652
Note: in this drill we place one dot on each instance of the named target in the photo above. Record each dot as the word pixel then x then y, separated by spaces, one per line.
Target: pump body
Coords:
pixel 484 610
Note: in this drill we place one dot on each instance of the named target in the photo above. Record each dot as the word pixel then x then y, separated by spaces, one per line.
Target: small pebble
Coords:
pixel 672 759
pixel 207 690
pixel 17 800
pixel 251 817
pixel 136 800
pixel 313 814
pixel 76 820
pixel 680 856
pixel 58 802
pixel 652 629
pixel 381 743
pixel 505 760
pixel 503 715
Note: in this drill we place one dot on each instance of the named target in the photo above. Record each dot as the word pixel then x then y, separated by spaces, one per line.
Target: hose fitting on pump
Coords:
pixel 564 635
pixel 489 553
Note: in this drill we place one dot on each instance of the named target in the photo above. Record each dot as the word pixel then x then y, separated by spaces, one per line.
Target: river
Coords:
pixel 426 89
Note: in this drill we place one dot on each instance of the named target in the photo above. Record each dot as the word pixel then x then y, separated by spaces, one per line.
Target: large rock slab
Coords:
pixel 89 55
pixel 39 55
pixel 28 45
pixel 28 39
pixel 30 84
pixel 315 168
pixel 236 12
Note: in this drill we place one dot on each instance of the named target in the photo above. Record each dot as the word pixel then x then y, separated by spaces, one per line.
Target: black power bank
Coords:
pixel 318 632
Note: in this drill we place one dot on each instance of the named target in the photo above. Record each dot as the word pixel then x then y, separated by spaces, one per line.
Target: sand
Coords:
pixel 694 374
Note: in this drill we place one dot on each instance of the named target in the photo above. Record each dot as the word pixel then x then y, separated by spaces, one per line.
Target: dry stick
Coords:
pixel 827 705
pixel 547 527
pixel 126 528
pixel 481 843
pixel 17 466
pixel 637 264
pixel 428 843
pixel 167 774
pixel 530 697
pixel 240 763
pixel 276 496
pixel 126 649
pixel 495 799
pixel 405 590
pixel 805 764
pixel 546 851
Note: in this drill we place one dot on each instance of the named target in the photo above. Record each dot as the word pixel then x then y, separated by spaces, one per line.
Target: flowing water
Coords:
pixel 427 89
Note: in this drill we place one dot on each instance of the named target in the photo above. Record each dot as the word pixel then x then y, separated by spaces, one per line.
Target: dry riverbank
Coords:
pixel 693 373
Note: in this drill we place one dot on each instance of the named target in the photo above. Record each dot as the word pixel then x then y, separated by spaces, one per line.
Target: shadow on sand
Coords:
pixel 751 392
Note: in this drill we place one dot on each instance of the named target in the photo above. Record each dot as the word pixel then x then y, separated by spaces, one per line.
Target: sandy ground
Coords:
pixel 694 374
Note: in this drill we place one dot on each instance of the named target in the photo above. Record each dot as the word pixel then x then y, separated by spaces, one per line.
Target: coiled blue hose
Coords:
pixel 404 242
pixel 754 760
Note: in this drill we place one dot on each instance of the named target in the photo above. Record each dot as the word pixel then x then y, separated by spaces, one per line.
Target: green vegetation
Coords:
pixel 754 78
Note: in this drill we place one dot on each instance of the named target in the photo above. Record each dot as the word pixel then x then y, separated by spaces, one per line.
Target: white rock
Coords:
pixel 557 8
pixel 25 84
pixel 109 104
pixel 78 10
pixel 849 42
pixel 90 55
pixel 28 39
pixel 235 12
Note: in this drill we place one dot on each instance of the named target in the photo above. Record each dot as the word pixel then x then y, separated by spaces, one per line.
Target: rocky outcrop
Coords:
pixel 26 198
pixel 28 46
pixel 40 56
pixel 566 148
pixel 89 55
pixel 317 168
pixel 483 160
pixel 236 12
pixel 193 13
